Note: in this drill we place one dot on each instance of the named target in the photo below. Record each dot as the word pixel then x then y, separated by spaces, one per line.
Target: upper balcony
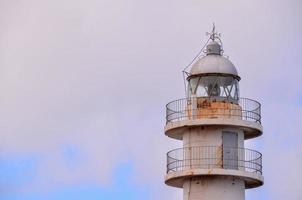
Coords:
pixel 186 162
pixel 199 111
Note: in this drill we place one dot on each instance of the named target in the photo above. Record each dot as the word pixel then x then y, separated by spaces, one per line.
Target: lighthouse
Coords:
pixel 213 122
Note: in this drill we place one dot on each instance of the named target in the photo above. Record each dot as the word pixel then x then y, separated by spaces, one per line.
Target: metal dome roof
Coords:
pixel 213 64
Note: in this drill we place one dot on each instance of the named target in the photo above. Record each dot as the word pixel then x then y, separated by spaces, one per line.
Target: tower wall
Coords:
pixel 214 188
pixel 209 136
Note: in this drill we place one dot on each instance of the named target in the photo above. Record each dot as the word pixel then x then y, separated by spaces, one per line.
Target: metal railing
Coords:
pixel 206 107
pixel 214 157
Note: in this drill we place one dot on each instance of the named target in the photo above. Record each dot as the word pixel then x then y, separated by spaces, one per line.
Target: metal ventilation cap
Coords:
pixel 214 48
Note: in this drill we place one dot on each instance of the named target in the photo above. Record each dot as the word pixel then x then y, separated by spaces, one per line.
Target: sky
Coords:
pixel 84 86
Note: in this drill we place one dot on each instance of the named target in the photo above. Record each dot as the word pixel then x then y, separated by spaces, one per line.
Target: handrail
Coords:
pixel 212 157
pixel 208 107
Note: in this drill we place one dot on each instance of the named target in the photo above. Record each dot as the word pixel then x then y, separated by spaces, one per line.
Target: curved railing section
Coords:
pixel 209 108
pixel 212 157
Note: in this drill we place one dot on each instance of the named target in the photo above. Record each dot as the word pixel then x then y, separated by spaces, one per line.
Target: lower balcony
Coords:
pixel 214 161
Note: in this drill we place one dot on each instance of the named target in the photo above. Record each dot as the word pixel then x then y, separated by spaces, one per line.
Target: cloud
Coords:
pixel 121 188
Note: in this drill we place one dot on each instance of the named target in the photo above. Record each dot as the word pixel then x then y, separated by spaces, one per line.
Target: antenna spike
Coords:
pixel 214 34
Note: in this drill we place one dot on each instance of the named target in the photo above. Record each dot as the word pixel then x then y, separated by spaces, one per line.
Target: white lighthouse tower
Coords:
pixel 213 122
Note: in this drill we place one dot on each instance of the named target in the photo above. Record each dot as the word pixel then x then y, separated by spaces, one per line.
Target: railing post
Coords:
pixel 194 106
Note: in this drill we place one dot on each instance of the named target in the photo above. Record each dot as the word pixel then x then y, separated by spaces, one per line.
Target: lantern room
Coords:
pixel 214 76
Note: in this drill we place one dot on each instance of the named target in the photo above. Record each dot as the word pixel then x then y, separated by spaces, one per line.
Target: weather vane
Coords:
pixel 214 34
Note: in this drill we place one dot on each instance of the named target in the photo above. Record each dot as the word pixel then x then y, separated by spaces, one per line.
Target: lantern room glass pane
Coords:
pixel 216 87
